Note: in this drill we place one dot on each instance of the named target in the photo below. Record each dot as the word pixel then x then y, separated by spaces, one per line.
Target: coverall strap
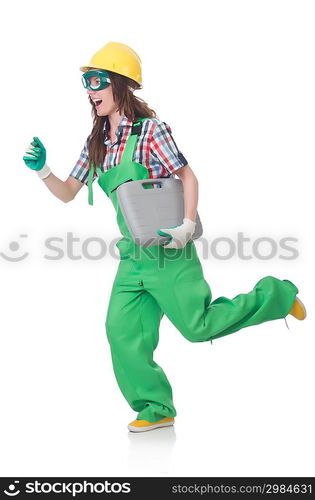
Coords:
pixel 127 156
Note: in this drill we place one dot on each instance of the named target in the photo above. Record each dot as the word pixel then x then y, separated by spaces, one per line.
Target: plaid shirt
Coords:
pixel 156 149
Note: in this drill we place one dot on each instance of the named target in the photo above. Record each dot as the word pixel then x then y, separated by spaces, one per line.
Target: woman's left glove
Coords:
pixel 180 235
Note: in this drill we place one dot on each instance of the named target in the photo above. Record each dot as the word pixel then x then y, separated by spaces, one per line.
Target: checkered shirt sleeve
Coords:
pixel 164 148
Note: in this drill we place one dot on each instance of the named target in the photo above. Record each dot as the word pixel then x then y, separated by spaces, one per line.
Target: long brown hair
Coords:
pixel 131 105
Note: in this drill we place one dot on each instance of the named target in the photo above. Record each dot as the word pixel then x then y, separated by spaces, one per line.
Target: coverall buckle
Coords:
pixel 136 128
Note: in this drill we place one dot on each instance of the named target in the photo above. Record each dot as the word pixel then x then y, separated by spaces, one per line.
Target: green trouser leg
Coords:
pixel 132 327
pixel 189 307
pixel 144 289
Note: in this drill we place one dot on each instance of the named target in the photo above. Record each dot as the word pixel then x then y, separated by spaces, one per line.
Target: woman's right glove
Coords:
pixel 36 159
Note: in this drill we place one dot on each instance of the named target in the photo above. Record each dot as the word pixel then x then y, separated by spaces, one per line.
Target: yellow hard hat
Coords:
pixel 119 58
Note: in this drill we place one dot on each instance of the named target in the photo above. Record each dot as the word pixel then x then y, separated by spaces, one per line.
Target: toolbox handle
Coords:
pixel 160 180
pixel 150 181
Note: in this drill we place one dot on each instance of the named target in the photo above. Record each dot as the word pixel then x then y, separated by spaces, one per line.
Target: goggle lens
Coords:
pixel 95 80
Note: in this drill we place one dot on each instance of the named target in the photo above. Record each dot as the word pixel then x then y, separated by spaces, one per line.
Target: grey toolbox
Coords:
pixel 146 209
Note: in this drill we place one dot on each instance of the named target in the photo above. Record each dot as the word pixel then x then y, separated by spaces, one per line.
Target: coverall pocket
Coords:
pixel 120 183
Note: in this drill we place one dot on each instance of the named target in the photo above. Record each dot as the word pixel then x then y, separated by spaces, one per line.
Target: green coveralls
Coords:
pixel 154 281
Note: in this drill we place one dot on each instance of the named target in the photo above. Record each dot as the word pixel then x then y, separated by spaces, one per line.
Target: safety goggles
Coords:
pixel 95 79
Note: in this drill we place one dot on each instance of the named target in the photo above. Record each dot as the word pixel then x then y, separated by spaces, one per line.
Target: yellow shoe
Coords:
pixel 144 425
pixel 298 309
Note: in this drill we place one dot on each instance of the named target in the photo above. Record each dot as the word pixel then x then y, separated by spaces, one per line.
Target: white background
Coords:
pixel 235 81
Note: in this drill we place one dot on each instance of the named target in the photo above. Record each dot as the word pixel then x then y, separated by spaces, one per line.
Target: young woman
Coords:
pixel 129 142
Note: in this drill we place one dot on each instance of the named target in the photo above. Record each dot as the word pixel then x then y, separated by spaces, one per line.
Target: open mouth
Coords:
pixel 97 103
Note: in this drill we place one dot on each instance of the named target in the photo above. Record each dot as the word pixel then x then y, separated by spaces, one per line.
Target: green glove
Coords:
pixel 37 155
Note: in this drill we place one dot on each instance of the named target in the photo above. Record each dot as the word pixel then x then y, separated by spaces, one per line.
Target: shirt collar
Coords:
pixel 124 123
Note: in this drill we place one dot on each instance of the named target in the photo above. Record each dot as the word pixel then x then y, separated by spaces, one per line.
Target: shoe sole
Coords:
pixel 303 307
pixel 149 428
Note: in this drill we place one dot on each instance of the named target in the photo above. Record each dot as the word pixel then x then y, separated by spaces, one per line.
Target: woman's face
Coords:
pixel 107 105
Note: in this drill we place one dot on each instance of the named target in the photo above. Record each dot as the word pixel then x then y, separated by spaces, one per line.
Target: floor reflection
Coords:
pixel 151 451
